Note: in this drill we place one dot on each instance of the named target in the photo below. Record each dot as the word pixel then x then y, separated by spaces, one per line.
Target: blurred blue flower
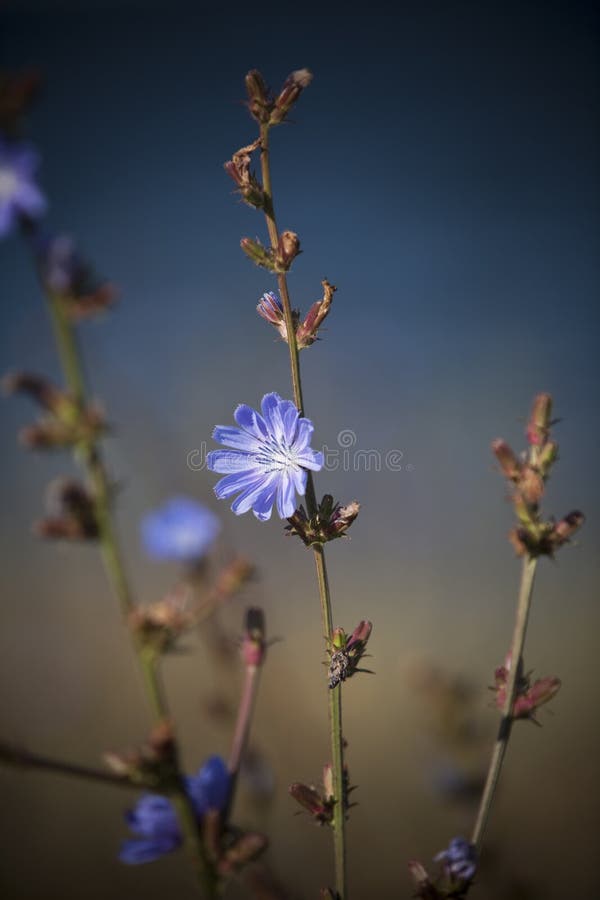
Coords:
pixel 460 859
pixel 154 820
pixel 19 194
pixel 269 459
pixel 180 530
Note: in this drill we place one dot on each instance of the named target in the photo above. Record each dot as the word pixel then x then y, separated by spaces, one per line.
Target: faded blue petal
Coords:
pixel 255 493
pixel 286 497
pixel 248 419
pixel 181 530
pixel 225 461
pixel 136 852
pixel 311 459
pixel 234 483
pixel 237 438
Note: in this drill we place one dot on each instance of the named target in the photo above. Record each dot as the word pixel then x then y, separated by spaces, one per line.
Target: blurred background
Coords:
pixel 442 171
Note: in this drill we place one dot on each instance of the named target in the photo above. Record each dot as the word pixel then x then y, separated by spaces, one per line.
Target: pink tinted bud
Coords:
pixel 288 249
pixel 531 486
pixel 510 465
pixel 310 799
pixel 328 781
pixel 361 634
pixel 289 94
pixel 566 528
pixel 539 693
pixel 260 102
pixel 253 642
pixel 539 420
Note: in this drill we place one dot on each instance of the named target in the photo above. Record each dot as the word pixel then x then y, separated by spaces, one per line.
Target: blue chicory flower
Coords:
pixel 269 459
pixel 460 858
pixel 180 530
pixel 154 820
pixel 19 194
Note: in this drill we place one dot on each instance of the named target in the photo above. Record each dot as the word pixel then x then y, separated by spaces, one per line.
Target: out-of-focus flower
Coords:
pixel 460 859
pixel 19 194
pixel 159 625
pixel 269 458
pixel 154 821
pixel 149 764
pixel 72 512
pixel 181 530
pixel 65 274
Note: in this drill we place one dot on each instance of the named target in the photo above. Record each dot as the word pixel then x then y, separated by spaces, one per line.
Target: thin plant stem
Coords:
pixel 506 722
pixel 90 456
pixel 242 730
pixel 21 758
pixel 335 694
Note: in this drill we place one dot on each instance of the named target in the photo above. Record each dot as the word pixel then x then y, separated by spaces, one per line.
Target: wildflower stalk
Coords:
pixel 21 758
pixel 242 728
pixel 89 452
pixel 334 694
pixel 506 722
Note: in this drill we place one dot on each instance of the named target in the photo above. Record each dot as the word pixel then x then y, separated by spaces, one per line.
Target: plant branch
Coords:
pixel 506 722
pixel 335 695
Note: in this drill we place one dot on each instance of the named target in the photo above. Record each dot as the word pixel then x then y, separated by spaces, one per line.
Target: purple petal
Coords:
pixel 263 505
pixel 286 497
pixel 226 461
pixel 135 852
pixel 236 437
pixel 305 430
pixel 271 411
pixel 310 459
pixel 248 419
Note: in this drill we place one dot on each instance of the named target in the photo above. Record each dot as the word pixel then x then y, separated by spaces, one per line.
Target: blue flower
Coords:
pixel 181 530
pixel 269 459
pixel 19 194
pixel 460 858
pixel 154 820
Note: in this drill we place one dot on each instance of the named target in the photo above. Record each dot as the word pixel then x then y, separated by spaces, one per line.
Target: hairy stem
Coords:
pixel 506 722
pixel 335 694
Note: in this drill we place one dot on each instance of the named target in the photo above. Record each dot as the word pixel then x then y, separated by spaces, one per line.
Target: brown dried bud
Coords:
pixel 321 809
pixel 260 100
pixel 244 850
pixel 159 625
pixel 564 530
pixel 72 512
pixel 289 94
pixel 306 333
pixel 233 577
pixel 288 249
pixel 238 167
pixel 152 764
pixel 329 522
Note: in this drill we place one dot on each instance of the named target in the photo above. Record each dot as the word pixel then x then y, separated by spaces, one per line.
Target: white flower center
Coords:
pixel 9 183
pixel 277 457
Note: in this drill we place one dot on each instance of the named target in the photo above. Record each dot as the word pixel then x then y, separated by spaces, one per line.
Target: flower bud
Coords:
pixel 328 791
pixel 288 248
pixel 289 94
pixel 158 626
pixel 306 333
pixel 253 642
pixel 259 255
pixel 510 465
pixel 244 849
pixel 539 420
pixel 260 102
pixel 72 512
pixel 320 809
pixel 566 528
pixel 547 456
pixel 238 168
pixel 270 308
pixel 531 486
pixel 346 652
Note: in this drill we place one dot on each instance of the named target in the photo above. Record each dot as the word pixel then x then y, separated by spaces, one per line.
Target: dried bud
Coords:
pixel 260 256
pixel 320 808
pixel 239 169
pixel 423 884
pixel 346 652
pixel 510 465
pixel 260 101
pixel 528 696
pixel 152 764
pixel 245 849
pixel 158 625
pixel 329 522
pixel 288 248
pixel 42 392
pixel 72 512
pixel 70 278
pixel 289 94
pixel 564 530
pixel 233 577
pixel 253 643
pixel 306 333
pixel 539 420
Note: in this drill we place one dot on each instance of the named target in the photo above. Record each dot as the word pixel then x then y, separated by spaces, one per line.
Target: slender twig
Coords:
pixel 23 759
pixel 242 731
pixel 335 694
pixel 506 722
pixel 89 452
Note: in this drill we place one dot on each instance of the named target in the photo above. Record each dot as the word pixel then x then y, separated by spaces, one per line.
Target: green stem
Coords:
pixel 335 694
pixel 89 451
pixel 506 722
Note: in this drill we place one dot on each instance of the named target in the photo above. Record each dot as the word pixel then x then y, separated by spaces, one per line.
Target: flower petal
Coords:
pixel 310 459
pixel 238 438
pixel 286 496
pixel 234 483
pixel 248 419
pixel 305 430
pixel 226 461
pixel 253 493
pixel 135 852
pixel 271 411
